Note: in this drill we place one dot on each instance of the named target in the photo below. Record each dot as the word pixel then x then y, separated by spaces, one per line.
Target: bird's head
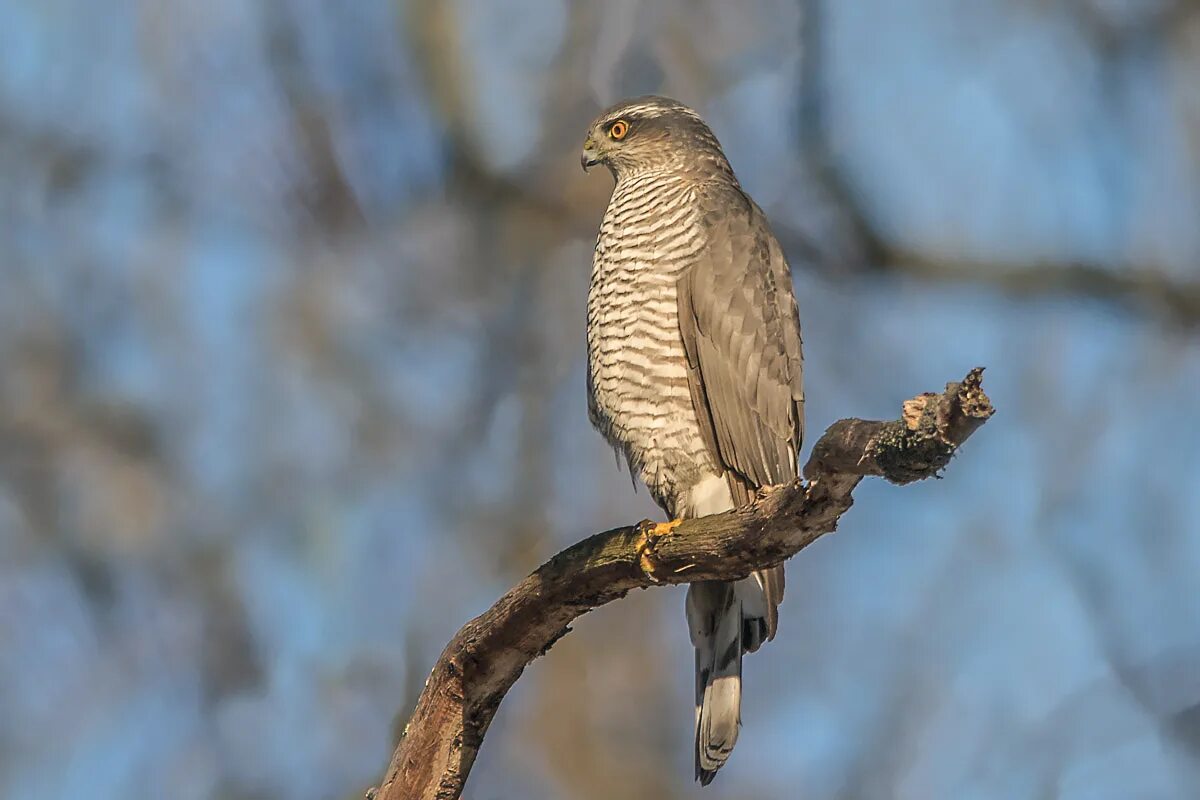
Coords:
pixel 649 133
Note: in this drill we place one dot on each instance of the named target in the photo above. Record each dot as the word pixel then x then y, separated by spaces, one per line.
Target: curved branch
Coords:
pixel 485 658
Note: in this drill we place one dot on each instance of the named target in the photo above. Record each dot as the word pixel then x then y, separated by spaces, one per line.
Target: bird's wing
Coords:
pixel 741 331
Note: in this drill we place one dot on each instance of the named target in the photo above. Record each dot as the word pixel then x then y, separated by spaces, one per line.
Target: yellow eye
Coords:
pixel 618 129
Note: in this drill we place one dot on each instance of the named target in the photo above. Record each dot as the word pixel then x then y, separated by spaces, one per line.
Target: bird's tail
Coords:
pixel 727 620
pixel 715 620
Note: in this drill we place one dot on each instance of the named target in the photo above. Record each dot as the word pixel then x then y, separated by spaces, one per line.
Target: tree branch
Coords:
pixel 485 658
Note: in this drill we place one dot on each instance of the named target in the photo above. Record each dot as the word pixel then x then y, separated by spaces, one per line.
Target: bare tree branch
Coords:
pixel 488 655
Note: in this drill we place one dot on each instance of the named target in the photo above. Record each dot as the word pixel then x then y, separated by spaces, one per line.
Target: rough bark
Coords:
pixel 489 653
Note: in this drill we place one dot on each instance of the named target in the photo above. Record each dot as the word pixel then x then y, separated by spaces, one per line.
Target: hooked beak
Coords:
pixel 590 156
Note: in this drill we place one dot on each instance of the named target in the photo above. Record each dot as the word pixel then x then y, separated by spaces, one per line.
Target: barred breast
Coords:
pixel 638 394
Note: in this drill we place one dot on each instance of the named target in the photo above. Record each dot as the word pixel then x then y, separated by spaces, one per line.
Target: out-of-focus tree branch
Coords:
pixel 1140 289
pixel 488 655
pixel 848 238
pixel 859 246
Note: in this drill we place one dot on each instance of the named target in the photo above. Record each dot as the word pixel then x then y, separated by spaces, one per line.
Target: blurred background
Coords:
pixel 291 386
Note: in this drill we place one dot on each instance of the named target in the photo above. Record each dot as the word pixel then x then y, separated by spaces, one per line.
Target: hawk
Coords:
pixel 694 365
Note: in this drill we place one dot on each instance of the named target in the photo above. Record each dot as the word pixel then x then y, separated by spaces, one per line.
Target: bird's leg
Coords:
pixel 648 534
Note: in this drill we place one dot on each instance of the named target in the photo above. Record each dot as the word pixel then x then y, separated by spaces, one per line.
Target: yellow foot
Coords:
pixel 648 535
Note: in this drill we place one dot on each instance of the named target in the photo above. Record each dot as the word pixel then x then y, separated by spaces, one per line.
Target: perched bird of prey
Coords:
pixel 694 365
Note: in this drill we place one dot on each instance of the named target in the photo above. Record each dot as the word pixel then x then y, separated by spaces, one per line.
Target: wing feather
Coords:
pixel 741 333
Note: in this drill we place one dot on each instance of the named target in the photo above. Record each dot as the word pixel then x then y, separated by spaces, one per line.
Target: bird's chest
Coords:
pixel 638 395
